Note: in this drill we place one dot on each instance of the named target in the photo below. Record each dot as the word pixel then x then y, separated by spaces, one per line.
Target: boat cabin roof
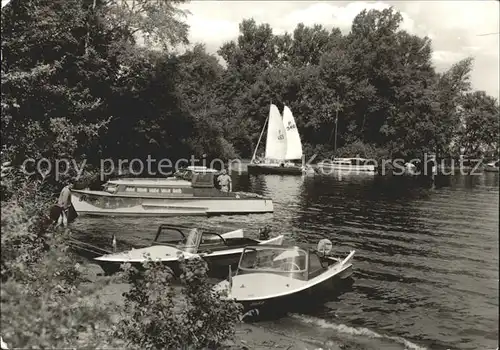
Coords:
pixel 192 176
pixel 150 182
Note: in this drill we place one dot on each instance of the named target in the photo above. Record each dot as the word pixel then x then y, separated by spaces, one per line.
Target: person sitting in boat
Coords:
pixel 264 233
pixel 225 182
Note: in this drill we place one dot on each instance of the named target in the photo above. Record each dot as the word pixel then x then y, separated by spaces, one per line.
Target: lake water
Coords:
pixel 426 266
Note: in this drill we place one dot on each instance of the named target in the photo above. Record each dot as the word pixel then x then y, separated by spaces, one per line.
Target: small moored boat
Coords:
pixel 492 166
pixel 191 192
pixel 268 276
pixel 348 165
pixel 219 250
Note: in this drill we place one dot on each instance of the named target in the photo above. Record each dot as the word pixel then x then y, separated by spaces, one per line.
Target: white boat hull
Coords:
pixel 169 255
pixel 104 204
pixel 267 289
pixel 347 169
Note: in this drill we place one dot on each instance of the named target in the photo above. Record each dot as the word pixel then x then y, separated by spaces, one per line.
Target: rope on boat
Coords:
pixel 88 247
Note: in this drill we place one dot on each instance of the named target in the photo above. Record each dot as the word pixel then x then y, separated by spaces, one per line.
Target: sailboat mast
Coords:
pixel 260 137
pixel 336 123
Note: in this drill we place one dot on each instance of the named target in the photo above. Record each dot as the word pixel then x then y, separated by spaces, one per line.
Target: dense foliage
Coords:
pixel 44 301
pixel 157 316
pixel 47 301
pixel 71 74
pixel 77 71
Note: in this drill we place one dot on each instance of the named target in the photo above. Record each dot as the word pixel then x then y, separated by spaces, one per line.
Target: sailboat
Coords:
pixel 283 146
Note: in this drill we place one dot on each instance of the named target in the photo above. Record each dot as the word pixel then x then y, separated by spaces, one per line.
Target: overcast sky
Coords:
pixel 453 26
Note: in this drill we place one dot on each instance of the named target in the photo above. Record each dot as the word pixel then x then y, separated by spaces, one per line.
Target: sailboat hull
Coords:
pixel 274 169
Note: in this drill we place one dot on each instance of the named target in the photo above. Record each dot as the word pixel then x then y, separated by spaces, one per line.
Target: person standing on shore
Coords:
pixel 64 204
pixel 225 182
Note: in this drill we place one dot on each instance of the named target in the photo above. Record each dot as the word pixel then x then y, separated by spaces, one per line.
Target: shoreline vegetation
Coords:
pixel 250 336
pixel 91 80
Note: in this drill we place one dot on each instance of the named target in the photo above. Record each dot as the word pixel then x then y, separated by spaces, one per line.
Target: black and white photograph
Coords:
pixel 239 175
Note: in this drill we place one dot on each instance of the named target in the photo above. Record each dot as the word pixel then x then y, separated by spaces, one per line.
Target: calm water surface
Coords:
pixel 426 263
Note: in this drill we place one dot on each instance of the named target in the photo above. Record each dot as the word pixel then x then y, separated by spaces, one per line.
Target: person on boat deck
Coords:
pixel 64 201
pixel 225 182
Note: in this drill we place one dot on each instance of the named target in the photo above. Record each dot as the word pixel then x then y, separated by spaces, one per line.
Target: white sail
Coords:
pixel 294 144
pixel 276 137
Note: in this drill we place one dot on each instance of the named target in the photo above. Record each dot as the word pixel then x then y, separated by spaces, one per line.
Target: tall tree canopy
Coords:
pixel 102 79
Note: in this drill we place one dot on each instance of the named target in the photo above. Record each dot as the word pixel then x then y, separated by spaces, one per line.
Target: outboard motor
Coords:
pixel 264 233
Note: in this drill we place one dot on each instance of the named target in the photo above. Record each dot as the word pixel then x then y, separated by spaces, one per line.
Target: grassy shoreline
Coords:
pixel 250 336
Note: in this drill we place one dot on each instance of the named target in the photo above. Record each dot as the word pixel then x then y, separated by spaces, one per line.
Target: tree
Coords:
pixel 197 80
pixel 153 22
pixel 48 89
pixel 479 129
pixel 450 88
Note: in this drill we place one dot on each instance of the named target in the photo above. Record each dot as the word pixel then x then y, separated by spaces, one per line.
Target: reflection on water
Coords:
pixel 426 263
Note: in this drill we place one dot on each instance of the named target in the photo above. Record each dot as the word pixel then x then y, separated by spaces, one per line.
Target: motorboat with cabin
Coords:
pixel 190 192
pixel 283 153
pixel 170 242
pixel 354 165
pixel 275 276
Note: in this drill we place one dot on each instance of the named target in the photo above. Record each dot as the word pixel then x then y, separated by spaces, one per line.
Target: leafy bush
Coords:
pixel 44 303
pixel 50 309
pixel 159 318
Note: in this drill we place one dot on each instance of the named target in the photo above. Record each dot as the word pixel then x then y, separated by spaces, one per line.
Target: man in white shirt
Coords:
pixel 225 182
pixel 64 203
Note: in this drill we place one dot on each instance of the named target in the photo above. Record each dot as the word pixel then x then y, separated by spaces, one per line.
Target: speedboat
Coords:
pixel 219 250
pixel 274 276
pixel 191 192
pixel 348 165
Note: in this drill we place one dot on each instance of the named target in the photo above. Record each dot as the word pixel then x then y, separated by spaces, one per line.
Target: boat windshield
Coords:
pixel 191 242
pixel 273 259
pixel 187 241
